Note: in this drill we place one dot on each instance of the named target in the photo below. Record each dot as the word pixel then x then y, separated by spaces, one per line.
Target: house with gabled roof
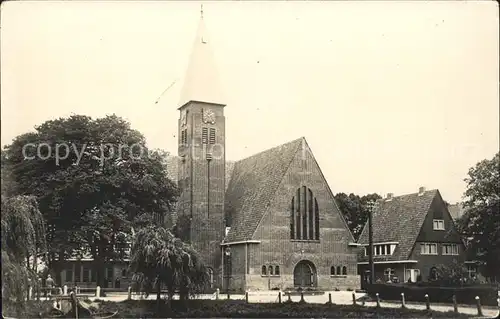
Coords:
pixel 412 235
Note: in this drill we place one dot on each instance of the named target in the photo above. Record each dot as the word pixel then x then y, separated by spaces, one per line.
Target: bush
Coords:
pixel 417 292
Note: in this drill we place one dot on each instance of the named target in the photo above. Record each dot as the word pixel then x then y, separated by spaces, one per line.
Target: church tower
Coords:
pixel 202 154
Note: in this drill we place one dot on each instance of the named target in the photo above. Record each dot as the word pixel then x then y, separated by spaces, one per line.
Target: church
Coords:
pixel 265 222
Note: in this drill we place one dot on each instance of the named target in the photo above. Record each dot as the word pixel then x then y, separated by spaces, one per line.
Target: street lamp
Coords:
pixel 372 206
pixel 227 254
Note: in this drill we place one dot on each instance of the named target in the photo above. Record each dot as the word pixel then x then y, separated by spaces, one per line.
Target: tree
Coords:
pixel 481 219
pixel 355 210
pixel 23 235
pixel 159 259
pixel 94 180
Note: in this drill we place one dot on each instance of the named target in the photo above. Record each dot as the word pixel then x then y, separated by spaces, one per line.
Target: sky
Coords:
pixel 390 96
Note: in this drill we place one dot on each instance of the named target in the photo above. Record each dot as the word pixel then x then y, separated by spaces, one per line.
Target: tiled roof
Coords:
pixel 399 220
pixel 253 184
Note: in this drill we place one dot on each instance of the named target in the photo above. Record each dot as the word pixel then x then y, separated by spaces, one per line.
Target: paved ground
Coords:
pixel 338 297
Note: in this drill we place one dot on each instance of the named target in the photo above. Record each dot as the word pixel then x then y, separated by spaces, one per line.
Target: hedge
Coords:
pixel 465 295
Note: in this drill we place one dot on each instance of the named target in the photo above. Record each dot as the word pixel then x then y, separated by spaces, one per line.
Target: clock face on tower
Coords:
pixel 208 116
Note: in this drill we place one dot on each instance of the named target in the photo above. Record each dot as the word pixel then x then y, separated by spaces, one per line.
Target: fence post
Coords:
pixel 378 300
pixel 427 302
pixel 403 300
pixel 98 292
pixel 479 310
pixel 228 296
pixel 354 298
pixel 302 297
pixel 65 290
pixel 289 297
pixel 30 293
pixel 455 305
pixel 329 298
pixel 279 297
pixel 246 296
pixel 129 293
pixel 217 294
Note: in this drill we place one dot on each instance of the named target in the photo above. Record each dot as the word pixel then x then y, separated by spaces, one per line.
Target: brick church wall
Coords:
pixel 277 248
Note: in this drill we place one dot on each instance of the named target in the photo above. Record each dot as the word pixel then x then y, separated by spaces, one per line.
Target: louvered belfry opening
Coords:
pixel 304 215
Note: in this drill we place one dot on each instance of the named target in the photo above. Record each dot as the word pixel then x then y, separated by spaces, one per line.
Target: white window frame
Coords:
pixel 471 269
pixel 389 274
pixel 450 250
pixel 425 251
pixel 438 224
pixel 381 249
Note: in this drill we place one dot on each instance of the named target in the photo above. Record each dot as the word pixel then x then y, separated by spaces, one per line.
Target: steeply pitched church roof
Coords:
pixel 201 82
pixel 252 186
pixel 399 220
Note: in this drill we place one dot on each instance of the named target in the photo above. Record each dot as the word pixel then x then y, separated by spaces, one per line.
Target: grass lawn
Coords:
pixel 239 309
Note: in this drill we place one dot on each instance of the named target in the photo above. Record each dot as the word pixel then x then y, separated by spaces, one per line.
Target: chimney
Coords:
pixel 421 191
pixel 389 196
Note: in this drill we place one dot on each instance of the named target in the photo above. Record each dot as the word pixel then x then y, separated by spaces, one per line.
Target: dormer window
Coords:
pixel 385 249
pixel 438 224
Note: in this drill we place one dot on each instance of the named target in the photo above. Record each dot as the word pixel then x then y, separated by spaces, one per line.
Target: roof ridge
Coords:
pixel 277 187
pixel 436 192
pixel 409 194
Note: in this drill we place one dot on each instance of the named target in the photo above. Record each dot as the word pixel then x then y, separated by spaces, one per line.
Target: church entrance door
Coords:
pixel 304 274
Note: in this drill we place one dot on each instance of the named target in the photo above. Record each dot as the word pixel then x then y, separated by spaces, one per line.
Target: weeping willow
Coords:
pixel 159 259
pixel 23 236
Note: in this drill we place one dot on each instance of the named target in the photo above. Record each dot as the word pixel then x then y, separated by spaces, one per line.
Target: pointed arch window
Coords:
pixel 304 215
pixel 264 270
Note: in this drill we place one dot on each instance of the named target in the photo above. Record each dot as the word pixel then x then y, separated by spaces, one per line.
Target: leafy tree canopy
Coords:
pixel 481 220
pixel 355 210
pixel 94 179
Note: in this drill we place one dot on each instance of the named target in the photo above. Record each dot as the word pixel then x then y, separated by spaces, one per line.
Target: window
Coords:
pixel 211 277
pixel 450 249
pixel 438 224
pixel 332 271
pixel 381 249
pixel 304 215
pixel 270 270
pixel 184 136
pixel 472 270
pixel 344 270
pixel 69 274
pixel 109 274
pixel 338 270
pixel 204 135
pixel 124 272
pixel 212 136
pixel 428 249
pixel 388 273
pixel 86 274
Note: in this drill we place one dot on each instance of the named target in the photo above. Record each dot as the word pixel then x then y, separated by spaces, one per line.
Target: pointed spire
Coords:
pixel 201 82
